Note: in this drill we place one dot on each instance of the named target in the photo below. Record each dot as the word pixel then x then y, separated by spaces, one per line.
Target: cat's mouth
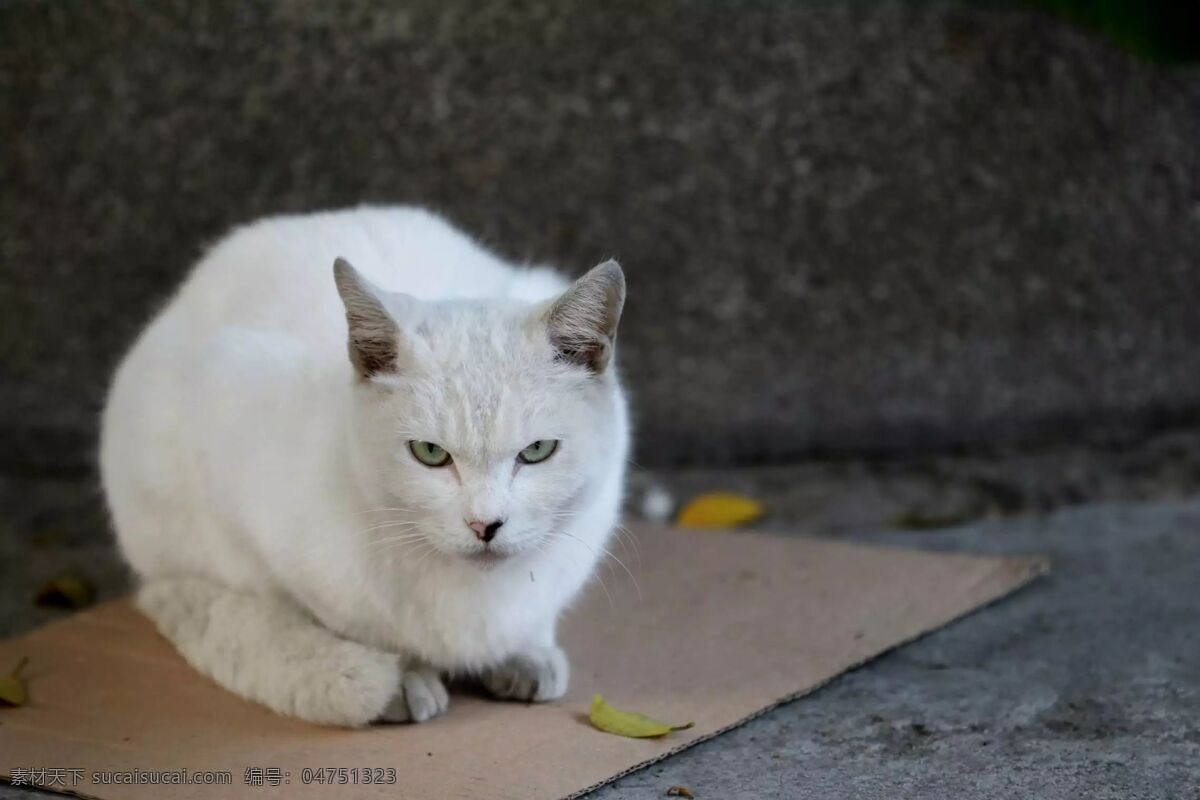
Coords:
pixel 489 557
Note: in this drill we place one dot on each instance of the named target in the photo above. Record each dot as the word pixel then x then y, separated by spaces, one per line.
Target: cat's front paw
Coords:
pixel 422 696
pixel 535 675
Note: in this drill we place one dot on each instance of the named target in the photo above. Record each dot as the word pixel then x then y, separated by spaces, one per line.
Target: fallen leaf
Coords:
pixel 719 510
pixel 65 591
pixel 628 723
pixel 680 791
pixel 917 521
pixel 12 687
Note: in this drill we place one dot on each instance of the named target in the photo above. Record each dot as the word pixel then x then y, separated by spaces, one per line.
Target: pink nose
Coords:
pixel 485 531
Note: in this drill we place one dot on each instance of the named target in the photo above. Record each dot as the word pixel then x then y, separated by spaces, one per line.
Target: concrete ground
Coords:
pixel 1082 685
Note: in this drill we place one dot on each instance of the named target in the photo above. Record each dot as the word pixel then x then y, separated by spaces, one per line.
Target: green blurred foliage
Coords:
pixel 1160 30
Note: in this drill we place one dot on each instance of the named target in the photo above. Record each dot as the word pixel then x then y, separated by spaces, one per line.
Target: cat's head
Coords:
pixel 483 425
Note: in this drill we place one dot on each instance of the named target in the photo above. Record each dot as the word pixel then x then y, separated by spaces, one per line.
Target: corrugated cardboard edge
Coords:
pixel 1032 568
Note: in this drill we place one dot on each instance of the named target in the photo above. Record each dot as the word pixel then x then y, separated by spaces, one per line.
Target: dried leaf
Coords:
pixel 12 687
pixel 680 791
pixel 66 591
pixel 917 521
pixel 719 510
pixel 628 723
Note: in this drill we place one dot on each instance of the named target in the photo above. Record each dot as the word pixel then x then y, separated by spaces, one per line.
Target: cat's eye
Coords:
pixel 538 451
pixel 429 454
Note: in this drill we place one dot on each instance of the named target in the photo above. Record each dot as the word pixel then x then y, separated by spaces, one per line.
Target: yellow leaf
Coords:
pixel 628 723
pixel 680 791
pixel 12 687
pixel 719 510
pixel 65 591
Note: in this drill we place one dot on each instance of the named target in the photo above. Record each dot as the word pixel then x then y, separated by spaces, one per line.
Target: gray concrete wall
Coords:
pixel 847 227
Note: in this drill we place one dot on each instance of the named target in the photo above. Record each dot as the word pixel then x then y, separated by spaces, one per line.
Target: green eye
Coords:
pixel 429 454
pixel 538 451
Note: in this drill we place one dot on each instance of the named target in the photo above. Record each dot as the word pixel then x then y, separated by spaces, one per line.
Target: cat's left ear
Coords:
pixel 374 337
pixel 582 322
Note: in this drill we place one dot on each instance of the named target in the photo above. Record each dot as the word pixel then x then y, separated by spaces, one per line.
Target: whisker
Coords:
pixel 381 509
pixel 432 549
pixel 611 555
pixel 394 550
pixel 628 537
pixel 594 555
pixel 393 524
pixel 632 577
pixel 390 542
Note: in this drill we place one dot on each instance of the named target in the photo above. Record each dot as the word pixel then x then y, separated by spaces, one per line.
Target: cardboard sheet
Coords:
pixel 719 627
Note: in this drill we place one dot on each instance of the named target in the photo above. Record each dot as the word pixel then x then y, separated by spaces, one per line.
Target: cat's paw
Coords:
pixel 535 675
pixel 422 696
pixel 349 684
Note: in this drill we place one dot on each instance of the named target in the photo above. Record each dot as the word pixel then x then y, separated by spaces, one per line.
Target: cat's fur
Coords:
pixel 256 463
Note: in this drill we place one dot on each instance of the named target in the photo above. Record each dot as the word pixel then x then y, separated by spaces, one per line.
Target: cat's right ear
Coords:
pixel 374 337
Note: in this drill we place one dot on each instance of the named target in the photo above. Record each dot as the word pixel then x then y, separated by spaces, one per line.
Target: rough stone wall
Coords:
pixel 847 227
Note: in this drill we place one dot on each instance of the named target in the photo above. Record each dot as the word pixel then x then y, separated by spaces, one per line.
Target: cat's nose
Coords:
pixel 485 531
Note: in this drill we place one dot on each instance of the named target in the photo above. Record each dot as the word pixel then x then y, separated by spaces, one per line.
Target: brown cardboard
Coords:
pixel 719 627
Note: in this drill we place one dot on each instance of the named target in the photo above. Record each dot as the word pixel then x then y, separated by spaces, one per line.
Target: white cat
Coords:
pixel 334 534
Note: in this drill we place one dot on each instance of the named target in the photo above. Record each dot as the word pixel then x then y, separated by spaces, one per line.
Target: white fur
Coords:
pixel 288 542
